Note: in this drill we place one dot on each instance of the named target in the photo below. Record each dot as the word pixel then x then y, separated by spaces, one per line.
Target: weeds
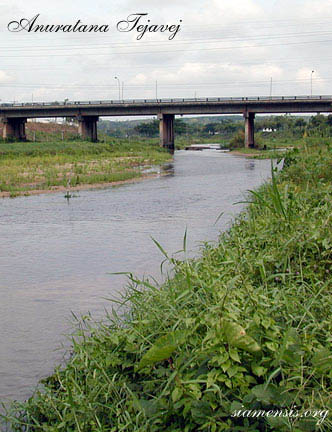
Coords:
pixel 247 325
pixel 42 166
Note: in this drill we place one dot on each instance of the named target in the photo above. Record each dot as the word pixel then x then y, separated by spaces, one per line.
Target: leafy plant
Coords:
pixel 246 326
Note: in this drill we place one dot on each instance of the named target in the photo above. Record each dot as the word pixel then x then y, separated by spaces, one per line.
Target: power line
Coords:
pixel 172 51
pixel 163 85
pixel 160 43
pixel 206 65
pixel 188 63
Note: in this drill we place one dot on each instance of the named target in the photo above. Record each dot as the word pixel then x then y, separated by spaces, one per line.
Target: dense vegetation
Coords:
pixel 189 128
pixel 271 131
pixel 225 126
pixel 248 324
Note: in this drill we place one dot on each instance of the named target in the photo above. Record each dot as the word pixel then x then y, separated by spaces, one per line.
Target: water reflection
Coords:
pixel 250 165
pixel 56 256
pixel 168 169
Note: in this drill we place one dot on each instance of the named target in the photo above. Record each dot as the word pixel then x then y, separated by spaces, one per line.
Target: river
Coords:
pixel 56 255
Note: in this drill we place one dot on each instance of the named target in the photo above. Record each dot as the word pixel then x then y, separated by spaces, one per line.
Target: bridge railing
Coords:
pixel 168 100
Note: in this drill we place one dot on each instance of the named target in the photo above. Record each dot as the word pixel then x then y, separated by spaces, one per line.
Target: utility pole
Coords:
pixel 271 83
pixel 122 85
pixel 312 72
pixel 156 89
pixel 119 87
pixel 33 120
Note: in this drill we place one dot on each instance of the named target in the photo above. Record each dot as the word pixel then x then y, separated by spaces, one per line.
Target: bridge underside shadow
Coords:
pixel 87 128
pixel 14 129
pixel 166 130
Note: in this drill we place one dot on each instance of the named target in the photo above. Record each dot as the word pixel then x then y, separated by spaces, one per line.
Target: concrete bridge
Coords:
pixel 14 116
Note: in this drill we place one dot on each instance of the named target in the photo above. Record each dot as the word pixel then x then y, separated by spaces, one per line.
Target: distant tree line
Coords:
pixel 198 127
pixel 224 126
pixel 318 125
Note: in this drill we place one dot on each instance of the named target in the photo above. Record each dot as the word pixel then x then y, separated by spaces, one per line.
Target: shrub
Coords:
pixel 238 141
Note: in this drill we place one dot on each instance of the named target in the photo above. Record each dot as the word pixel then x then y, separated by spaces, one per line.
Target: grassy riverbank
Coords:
pixel 247 324
pixel 259 153
pixel 34 166
pixel 268 147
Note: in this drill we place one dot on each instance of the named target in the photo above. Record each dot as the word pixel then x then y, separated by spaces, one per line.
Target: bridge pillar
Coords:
pixel 249 130
pixel 166 130
pixel 87 128
pixel 14 128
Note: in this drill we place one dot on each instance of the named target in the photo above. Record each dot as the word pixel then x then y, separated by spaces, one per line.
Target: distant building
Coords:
pixel 269 130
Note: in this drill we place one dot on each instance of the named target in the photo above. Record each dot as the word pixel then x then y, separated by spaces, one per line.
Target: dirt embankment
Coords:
pixel 50 127
pixel 47 127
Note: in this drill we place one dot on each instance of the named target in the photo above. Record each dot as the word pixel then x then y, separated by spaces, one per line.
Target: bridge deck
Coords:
pixel 15 115
pixel 132 107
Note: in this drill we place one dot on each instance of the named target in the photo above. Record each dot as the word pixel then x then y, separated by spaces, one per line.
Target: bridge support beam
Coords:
pixel 249 130
pixel 166 130
pixel 14 128
pixel 87 128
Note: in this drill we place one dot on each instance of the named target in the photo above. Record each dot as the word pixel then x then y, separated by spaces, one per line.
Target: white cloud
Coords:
pixel 237 45
pixel 5 78
pixel 233 10
pixel 314 9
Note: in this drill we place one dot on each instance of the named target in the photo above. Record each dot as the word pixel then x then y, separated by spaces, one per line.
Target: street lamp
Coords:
pixel 312 72
pixel 119 87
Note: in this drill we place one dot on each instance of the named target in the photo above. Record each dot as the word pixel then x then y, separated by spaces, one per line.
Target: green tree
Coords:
pixel 180 127
pixel 148 129
pixel 211 128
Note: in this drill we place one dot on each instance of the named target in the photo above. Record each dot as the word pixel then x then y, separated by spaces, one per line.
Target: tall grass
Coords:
pixel 246 325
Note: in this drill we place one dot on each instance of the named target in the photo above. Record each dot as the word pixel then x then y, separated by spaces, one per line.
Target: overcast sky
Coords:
pixel 224 48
